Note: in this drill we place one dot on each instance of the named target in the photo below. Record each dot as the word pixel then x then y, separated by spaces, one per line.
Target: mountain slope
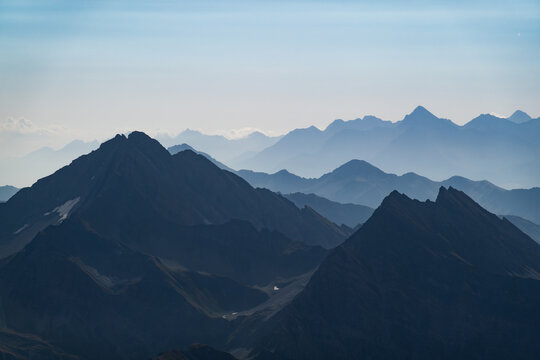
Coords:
pixel 133 184
pixel 442 279
pixel 361 183
pixel 183 147
pixel 19 346
pixel 528 227
pixel 195 352
pixel 99 299
pixel 349 214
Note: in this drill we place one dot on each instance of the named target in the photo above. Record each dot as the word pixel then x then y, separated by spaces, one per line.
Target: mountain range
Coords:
pixel 501 150
pixel 359 182
pixel 504 151
pixel 131 252
pixel 231 151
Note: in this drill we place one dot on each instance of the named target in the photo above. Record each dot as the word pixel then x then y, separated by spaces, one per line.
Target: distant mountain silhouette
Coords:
pixel 349 214
pixel 361 183
pixel 6 192
pixel 25 170
pixel 132 185
pixel 421 142
pixel 418 280
pixel 183 147
pixel 519 117
pixel 229 151
pixel 528 227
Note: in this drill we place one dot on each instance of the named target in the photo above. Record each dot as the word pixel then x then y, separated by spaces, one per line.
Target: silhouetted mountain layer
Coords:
pixel 7 192
pixel 528 227
pixel 359 182
pixel 349 214
pixel 354 215
pixel 504 151
pixel 418 280
pixel 25 170
pixel 230 151
pixel 132 186
pixel 183 147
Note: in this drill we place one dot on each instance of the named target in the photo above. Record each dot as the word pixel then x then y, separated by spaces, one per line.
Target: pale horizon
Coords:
pixel 89 69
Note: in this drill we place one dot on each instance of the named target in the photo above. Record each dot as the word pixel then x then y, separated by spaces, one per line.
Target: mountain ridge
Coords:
pixel 359 182
pixel 421 142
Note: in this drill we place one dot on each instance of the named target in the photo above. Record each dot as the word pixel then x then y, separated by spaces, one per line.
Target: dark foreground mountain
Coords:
pixel 354 215
pixel 130 251
pixel 131 188
pixel 418 280
pixel 17 346
pixel 421 142
pixel 361 183
pixel 7 192
pixel 96 298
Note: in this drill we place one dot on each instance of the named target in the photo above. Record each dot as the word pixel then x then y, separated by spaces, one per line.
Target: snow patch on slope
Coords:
pixel 64 209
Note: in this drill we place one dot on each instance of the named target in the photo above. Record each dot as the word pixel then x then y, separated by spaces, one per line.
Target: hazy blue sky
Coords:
pixel 92 68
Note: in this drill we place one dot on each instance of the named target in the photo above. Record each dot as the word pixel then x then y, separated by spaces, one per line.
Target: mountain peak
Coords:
pixel 422 117
pixel 138 136
pixel 422 113
pixel 452 198
pixel 138 141
pixel 393 199
pixel 357 168
pixel 419 115
pixel 519 117
pixel 420 110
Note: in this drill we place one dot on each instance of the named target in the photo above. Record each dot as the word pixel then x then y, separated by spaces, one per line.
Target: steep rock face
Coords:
pixel 440 279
